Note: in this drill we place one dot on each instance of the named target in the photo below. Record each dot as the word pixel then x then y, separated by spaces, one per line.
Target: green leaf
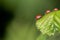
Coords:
pixel 49 23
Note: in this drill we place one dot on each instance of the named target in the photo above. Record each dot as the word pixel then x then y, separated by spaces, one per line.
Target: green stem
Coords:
pixel 42 37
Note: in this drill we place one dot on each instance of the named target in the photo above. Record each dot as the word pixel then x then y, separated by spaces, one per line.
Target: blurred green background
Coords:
pixel 23 27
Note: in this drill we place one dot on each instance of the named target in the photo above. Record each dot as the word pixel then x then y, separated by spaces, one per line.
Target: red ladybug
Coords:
pixel 48 11
pixel 55 9
pixel 38 16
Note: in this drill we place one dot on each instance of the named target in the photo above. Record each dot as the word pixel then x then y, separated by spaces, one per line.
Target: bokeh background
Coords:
pixel 20 24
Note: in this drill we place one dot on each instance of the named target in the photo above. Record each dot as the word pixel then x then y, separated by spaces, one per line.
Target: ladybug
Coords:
pixel 48 11
pixel 38 16
pixel 55 9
